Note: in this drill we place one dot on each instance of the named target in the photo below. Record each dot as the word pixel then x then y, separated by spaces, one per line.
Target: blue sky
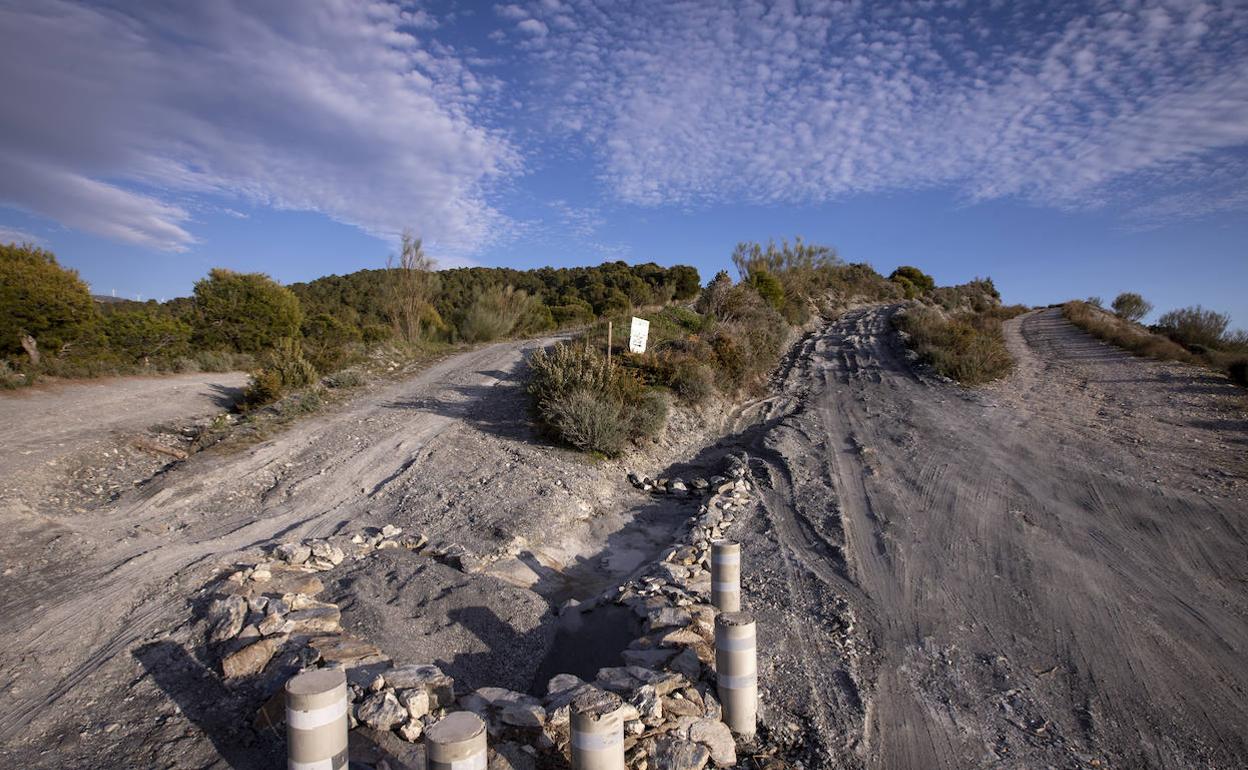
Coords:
pixel 1063 149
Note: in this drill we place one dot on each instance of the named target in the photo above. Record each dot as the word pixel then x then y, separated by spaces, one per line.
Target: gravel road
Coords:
pixel 1048 572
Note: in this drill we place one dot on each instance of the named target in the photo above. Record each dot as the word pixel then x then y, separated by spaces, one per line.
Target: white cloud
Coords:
pixel 713 102
pixel 16 235
pixel 332 107
pixel 532 27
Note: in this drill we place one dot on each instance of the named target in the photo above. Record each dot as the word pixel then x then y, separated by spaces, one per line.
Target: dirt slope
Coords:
pixel 448 452
pixel 1049 572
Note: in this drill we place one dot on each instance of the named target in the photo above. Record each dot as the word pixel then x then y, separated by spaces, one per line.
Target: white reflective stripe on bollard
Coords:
pixel 726 558
pixel 738 682
pixel 728 588
pixel 736 644
pixel 310 720
pixel 597 741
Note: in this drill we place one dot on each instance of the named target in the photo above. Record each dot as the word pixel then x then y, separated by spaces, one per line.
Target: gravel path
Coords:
pixel 1048 572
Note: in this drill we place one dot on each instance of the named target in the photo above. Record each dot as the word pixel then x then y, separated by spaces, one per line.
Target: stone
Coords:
pixel 261 573
pixel 616 679
pixel 663 617
pixel 317 620
pixel 561 682
pixel 677 487
pixel 273 624
pixel 648 658
pixel 390 531
pixel 523 715
pixel 700 484
pixel 459 557
pixel 649 705
pixel 293 553
pixel 440 686
pixel 676 754
pixel 416 701
pixel 225 618
pixel 411 730
pixel 679 707
pixel 688 664
pixel 345 649
pixel 381 711
pixel 251 659
pixel 327 551
pixel 717 738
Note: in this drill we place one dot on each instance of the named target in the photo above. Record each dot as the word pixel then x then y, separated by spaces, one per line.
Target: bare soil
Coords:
pixel 1050 571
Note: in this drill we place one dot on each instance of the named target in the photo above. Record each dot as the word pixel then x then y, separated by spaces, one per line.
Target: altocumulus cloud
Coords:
pixel 115 115
pixel 1065 104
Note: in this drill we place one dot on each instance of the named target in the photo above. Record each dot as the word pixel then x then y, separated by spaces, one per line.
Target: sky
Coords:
pixel 1064 149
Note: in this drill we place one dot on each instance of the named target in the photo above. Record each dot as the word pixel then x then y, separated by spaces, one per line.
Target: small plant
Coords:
pixel 1131 306
pixel 282 369
pixel 967 347
pixel 347 378
pixel 1194 326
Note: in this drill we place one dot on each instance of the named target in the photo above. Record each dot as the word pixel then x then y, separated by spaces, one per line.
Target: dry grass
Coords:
pixel 968 347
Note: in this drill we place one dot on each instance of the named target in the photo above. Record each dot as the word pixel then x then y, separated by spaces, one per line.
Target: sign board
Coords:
pixel 638 335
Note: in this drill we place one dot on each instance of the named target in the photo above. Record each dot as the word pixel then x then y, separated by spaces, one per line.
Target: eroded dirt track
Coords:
pixel 1048 572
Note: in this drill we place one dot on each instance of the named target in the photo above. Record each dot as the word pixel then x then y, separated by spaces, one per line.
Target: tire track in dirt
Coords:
pixel 1027 575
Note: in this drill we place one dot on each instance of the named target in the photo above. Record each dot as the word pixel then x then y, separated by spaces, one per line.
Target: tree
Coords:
pixel 244 312
pixel 921 281
pixel 409 296
pixel 42 305
pixel 1194 326
pixel 768 287
pixel 687 281
pixel 145 333
pixel 715 295
pixel 1131 306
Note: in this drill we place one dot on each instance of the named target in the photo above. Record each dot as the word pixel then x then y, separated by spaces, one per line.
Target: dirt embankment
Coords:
pixel 1048 572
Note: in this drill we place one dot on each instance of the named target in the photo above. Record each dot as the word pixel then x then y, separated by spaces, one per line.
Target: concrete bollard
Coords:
pixel 597 732
pixel 726 575
pixel 736 670
pixel 316 720
pixel 456 742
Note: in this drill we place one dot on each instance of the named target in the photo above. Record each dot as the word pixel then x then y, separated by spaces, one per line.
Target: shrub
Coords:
pixel 913 280
pixel 282 369
pixel 587 421
pixel 1122 333
pixel 327 341
pixel 138 336
pixel 214 361
pixel 1131 306
pixel 969 348
pixel 243 312
pixel 689 378
pixel 347 378
pixel 576 312
pixel 1194 326
pixel 41 299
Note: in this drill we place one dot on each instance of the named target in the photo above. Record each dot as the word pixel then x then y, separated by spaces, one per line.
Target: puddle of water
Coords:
pixel 586 642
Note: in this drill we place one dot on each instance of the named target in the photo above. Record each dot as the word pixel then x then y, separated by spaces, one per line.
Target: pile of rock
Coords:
pixel 267 623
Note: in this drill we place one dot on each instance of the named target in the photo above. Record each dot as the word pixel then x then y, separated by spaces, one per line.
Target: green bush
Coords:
pixel 500 311
pixel 328 342
pixel 347 378
pixel 579 399
pixel 1131 306
pixel 243 312
pixel 913 280
pixel 146 336
pixel 282 369
pixel 41 299
pixel 1192 326
pixel 969 347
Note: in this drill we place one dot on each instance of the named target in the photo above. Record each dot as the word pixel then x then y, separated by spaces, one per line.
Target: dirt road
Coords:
pixel 448 451
pixel 1050 572
pixel 45 423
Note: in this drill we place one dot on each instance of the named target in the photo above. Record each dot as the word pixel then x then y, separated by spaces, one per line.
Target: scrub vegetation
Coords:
pixel 1193 335
pixel 723 344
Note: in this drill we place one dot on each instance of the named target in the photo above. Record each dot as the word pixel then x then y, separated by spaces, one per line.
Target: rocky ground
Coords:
pixel 1046 572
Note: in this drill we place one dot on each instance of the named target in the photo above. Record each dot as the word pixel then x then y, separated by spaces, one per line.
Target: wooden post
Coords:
pixel 610 339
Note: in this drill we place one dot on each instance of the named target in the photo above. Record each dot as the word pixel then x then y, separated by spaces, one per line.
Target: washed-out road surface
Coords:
pixel 1049 572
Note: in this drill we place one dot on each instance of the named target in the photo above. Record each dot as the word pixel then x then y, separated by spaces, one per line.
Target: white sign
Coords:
pixel 637 336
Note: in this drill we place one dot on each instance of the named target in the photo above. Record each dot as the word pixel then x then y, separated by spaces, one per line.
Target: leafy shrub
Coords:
pixel 1094 301
pixel 139 336
pixel 691 380
pixel 576 312
pixel 913 280
pixel 41 299
pixel 969 348
pixel 243 312
pixel 498 311
pixel 328 342
pixel 214 361
pixel 1194 326
pixel 282 369
pixel 591 406
pixel 1131 306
